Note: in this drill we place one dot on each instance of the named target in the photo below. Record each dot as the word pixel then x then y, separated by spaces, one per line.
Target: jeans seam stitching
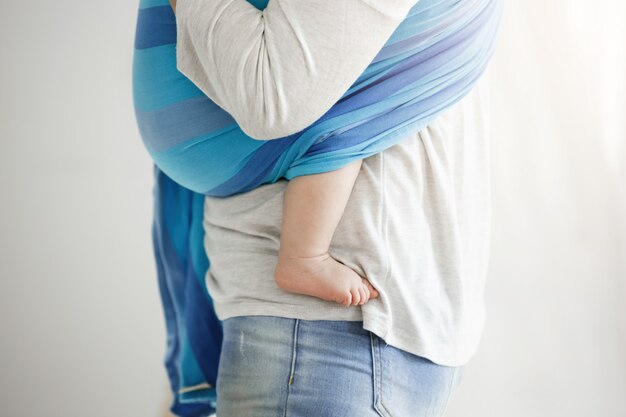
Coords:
pixel 378 372
pixel 380 355
pixel 374 378
pixel 293 363
pixel 374 373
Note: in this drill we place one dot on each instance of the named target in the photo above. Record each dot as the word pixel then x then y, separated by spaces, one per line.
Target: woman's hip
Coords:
pixel 275 366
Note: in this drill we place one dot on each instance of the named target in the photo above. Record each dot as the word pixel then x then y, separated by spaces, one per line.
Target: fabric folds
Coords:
pixel 429 61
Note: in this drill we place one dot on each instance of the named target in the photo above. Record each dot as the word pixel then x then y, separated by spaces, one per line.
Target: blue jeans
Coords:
pixel 282 367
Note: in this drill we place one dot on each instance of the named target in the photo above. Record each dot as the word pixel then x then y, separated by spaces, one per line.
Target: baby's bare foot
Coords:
pixel 323 277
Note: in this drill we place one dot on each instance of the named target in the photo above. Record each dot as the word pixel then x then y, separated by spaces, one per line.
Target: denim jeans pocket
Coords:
pixel 409 385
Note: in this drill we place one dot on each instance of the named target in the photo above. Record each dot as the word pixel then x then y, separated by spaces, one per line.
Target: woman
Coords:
pixel 416 224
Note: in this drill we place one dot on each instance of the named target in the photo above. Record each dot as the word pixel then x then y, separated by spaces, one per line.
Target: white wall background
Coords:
pixel 555 337
pixel 81 323
pixel 80 315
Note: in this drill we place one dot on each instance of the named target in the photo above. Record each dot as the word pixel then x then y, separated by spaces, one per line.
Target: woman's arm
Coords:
pixel 278 70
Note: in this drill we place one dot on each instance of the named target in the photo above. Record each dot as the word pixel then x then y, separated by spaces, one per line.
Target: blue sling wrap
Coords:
pixel 430 62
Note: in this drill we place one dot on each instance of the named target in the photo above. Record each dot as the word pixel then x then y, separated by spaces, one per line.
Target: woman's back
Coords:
pixel 403 227
pixel 416 225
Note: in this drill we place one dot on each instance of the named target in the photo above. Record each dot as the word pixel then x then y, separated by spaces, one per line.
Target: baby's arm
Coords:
pixel 313 206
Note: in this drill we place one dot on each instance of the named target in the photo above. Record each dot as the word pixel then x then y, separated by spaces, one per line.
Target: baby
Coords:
pixel 313 205
pixel 312 208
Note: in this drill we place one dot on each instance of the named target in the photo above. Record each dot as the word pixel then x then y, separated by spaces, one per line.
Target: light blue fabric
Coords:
pixel 429 63
pixel 277 366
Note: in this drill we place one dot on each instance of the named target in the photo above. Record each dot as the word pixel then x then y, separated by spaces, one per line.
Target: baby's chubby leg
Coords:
pixel 313 206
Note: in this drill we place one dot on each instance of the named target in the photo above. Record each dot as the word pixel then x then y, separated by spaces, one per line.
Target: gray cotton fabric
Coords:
pixel 417 225
pixel 285 65
pixel 417 221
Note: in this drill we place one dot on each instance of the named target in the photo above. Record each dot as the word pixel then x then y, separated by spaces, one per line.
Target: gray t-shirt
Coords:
pixel 278 70
pixel 416 225
pixel 417 222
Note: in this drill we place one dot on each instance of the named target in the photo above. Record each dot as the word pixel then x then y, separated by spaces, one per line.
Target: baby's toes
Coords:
pixel 344 298
pixel 365 296
pixel 372 291
pixel 356 295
